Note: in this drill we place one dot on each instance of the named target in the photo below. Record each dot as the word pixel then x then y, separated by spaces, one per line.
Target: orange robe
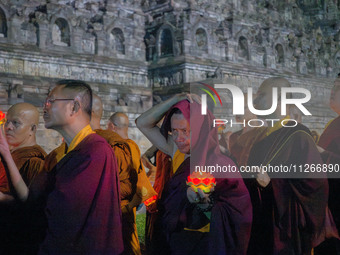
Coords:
pixel 29 161
pixel 127 172
pixel 144 188
pixel 24 226
pixel 133 192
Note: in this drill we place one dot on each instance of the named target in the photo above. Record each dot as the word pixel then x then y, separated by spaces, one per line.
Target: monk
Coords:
pixel 290 215
pixel 216 222
pixel 25 226
pixel 119 123
pixel 79 185
pixel 128 177
pixel 329 146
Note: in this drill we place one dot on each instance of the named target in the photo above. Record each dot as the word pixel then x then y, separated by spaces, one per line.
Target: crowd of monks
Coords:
pixel 82 197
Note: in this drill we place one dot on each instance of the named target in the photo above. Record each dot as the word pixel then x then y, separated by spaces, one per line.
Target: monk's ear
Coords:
pixel 76 106
pixel 34 128
pixel 110 126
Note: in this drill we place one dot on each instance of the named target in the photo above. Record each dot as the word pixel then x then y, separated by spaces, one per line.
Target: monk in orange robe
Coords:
pixel 135 187
pixel 24 227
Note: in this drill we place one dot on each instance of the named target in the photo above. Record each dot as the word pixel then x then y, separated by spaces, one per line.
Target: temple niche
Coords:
pixel 243 51
pixel 201 40
pixel 3 24
pixel 166 43
pixel 117 41
pixel 61 33
pixel 279 54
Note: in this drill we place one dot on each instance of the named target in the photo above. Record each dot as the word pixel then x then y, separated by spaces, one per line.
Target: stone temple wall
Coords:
pixel 99 42
pixel 135 53
pixel 245 42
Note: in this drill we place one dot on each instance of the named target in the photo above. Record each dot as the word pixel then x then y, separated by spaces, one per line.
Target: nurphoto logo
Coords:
pixel 238 104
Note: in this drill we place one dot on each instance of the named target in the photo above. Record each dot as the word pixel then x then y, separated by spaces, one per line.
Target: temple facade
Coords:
pixel 137 53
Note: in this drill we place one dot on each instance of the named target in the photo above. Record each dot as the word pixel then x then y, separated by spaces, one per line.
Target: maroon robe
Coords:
pixel 153 229
pixel 83 206
pixel 231 217
pixel 330 142
pixel 290 216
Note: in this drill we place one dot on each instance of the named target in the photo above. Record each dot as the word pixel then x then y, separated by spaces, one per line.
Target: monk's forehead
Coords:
pixel 22 113
pixel 179 117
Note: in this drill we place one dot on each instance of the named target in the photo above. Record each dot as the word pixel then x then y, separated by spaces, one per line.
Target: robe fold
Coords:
pixel 241 144
pixel 330 142
pixel 144 187
pixel 290 216
pixel 127 173
pixel 82 200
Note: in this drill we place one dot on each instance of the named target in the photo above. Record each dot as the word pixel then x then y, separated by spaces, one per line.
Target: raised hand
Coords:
pixel 263 179
pixel 190 97
pixel 4 148
pixel 198 197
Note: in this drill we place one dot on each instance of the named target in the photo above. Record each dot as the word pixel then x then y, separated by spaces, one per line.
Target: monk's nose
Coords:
pixel 9 126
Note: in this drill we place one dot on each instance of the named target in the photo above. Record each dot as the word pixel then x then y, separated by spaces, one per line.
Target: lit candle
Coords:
pixel 203 181
pixel 2 118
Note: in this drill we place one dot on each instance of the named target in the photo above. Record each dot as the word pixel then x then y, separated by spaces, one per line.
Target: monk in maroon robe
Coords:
pixel 198 226
pixel 79 186
pixel 330 142
pixel 82 203
pixel 290 215
pixel 329 146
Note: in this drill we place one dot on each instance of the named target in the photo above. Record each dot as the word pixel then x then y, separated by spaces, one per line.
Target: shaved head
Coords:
pixel 21 125
pixel 120 119
pixel 27 111
pixel 119 123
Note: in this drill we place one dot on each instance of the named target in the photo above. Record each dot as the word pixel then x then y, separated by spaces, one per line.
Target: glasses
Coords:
pixel 50 101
